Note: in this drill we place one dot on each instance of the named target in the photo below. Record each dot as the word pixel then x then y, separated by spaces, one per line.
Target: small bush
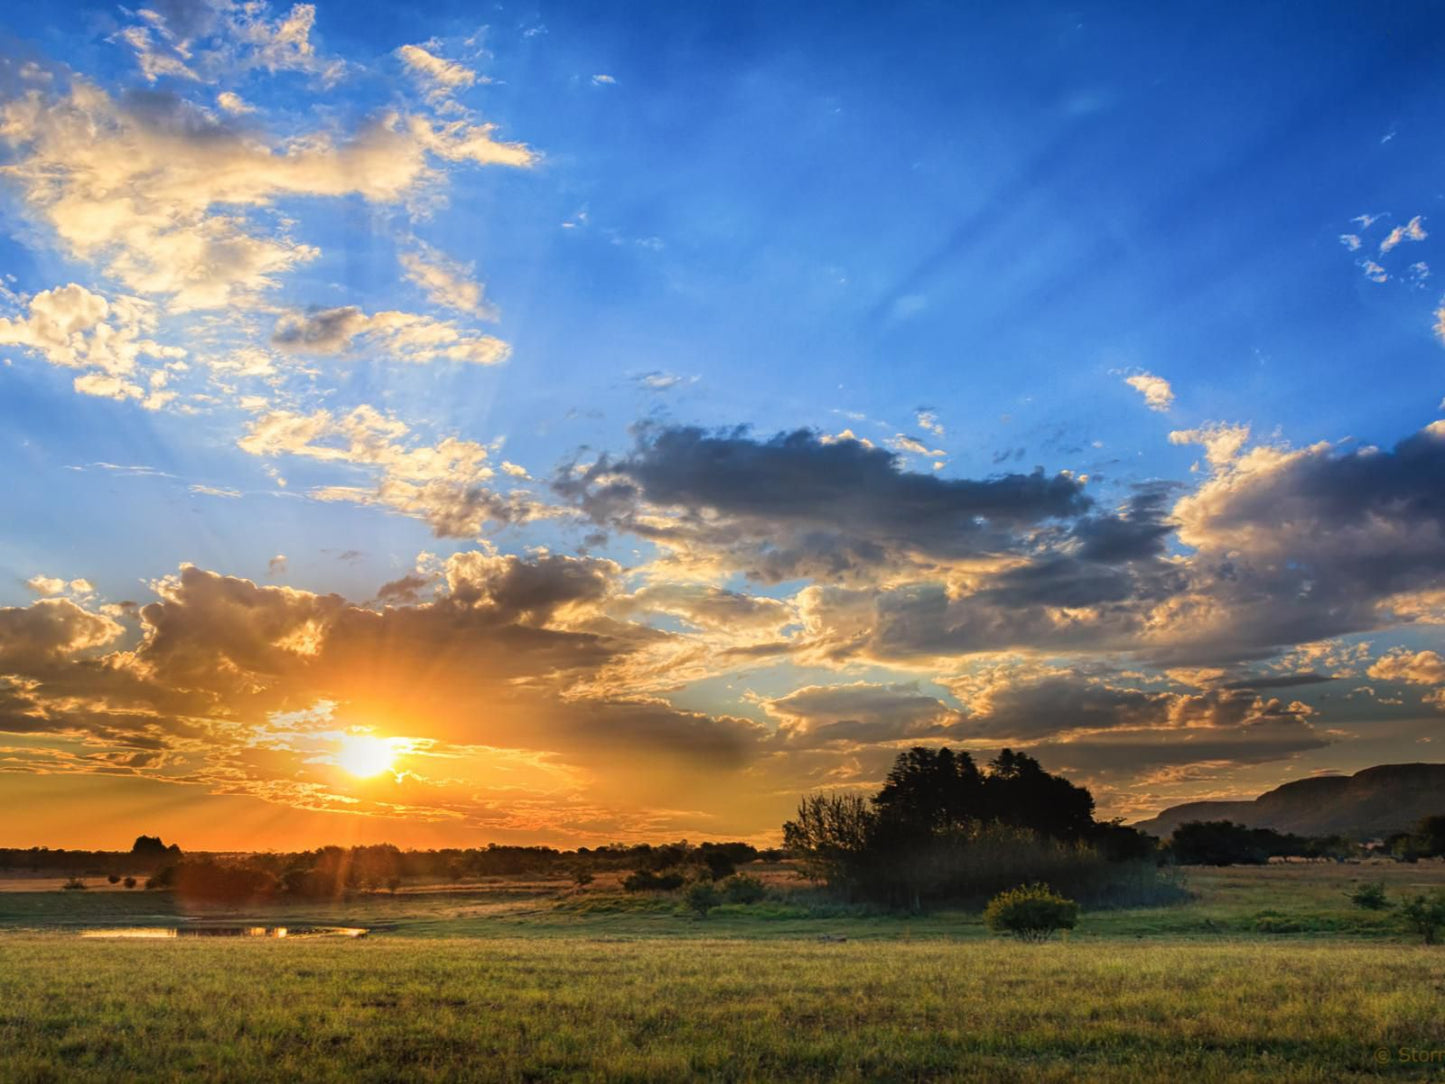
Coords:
pixel 114 878
pixel 1370 896
pixel 740 888
pixel 702 897
pixel 1425 915
pixel 645 880
pixel 74 884
pixel 129 882
pixel 582 878
pixel 1030 913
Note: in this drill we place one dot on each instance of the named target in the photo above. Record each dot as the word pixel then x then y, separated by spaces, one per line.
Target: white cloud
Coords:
pixel 928 420
pixel 1155 389
pixel 603 80
pixel 173 201
pixel 75 328
pixel 442 77
pixel 1411 231
pixel 445 281
pixel 233 103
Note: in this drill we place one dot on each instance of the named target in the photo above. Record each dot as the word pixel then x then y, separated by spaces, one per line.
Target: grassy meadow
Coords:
pixel 1266 973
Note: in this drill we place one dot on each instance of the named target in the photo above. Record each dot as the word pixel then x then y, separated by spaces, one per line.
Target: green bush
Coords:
pixel 740 888
pixel 1030 912
pixel 1370 896
pixel 1425 915
pixel 702 897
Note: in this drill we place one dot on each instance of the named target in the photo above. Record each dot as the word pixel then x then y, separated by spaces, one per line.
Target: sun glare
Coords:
pixel 364 756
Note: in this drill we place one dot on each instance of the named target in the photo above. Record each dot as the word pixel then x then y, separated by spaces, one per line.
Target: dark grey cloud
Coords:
pixel 798 504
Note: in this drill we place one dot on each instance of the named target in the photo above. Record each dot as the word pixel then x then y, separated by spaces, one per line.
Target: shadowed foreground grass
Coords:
pixel 531 1009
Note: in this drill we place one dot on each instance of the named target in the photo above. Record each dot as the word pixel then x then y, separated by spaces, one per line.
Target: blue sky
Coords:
pixel 381 285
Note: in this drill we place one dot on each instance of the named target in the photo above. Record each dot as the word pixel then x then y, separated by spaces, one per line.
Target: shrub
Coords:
pixel 74 884
pixel 702 897
pixel 582 878
pixel 645 880
pixel 114 878
pixel 741 888
pixel 1425 915
pixel 1370 896
pixel 129 882
pixel 1030 912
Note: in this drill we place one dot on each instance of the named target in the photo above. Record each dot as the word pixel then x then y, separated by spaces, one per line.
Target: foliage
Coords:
pixel 942 831
pixel 129 882
pixel 645 880
pixel 1425 915
pixel 701 897
pixel 1223 843
pixel 1370 896
pixel 582 878
pixel 73 884
pixel 740 888
pixel 1030 912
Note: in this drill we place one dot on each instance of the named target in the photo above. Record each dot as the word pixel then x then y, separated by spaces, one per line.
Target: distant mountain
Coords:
pixel 1369 804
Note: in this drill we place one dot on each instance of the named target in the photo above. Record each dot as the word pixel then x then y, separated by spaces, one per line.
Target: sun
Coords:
pixel 364 756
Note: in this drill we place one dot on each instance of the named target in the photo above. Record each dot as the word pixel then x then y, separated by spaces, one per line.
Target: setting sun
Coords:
pixel 364 756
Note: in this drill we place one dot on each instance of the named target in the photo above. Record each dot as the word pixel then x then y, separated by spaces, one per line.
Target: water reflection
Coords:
pixel 166 932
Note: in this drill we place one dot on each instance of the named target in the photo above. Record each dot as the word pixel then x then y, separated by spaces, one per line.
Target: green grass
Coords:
pixel 1264 974
pixel 533 1009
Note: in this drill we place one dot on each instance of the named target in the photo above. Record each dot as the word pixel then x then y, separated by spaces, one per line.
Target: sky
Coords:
pixel 571 423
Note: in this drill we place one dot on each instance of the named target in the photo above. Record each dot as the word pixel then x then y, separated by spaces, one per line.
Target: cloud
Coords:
pixel 863 713
pixel 662 380
pixel 276 566
pixel 1410 667
pixel 215 491
pixel 603 80
pixel 442 78
pixel 405 336
pixel 75 328
pixel 798 504
pixel 173 201
pixel 928 421
pixel 1411 231
pixel 233 103
pixel 442 483
pixel 1155 389
pixel 445 281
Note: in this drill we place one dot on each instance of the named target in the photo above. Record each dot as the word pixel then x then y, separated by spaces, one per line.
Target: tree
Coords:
pixel 930 791
pixel 830 834
pixel 1430 836
pixel 702 897
pixel 1425 915
pixel 1019 792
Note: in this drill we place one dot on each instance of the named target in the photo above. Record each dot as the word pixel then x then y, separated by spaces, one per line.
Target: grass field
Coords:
pixel 535 982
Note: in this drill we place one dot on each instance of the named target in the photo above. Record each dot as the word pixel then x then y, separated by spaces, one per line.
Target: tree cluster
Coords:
pixel 943 829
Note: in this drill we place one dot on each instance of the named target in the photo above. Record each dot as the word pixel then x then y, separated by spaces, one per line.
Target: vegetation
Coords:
pixel 942 832
pixel 1030 913
pixel 1425 915
pixel 532 1009
pixel 1370 896
pixel 701 897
